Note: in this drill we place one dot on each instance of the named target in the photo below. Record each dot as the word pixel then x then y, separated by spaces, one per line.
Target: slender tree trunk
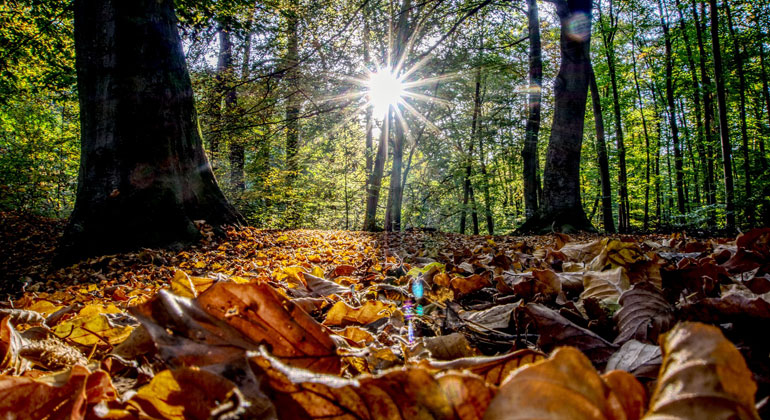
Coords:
pixel 708 107
pixel 485 181
pixel 766 96
pixel 375 179
pixel 529 152
pixel 369 120
pixel 562 207
pixel 724 129
pixel 292 78
pixel 601 151
pixel 678 164
pixel 608 37
pixel 696 98
pixel 688 148
pixel 393 210
pixel 235 144
pixel 467 186
pixel 645 131
pixel 144 177
pixel 748 205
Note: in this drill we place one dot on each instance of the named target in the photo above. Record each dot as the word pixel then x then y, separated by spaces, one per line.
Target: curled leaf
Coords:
pixel 565 386
pixel 644 314
pixel 703 376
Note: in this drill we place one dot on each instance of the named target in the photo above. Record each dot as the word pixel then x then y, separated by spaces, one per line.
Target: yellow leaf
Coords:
pixel 91 326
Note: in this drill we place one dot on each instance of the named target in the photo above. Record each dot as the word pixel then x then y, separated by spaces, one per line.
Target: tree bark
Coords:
pixel 601 151
pixel 292 78
pixel 393 210
pixel 144 177
pixel 375 179
pixel 678 163
pixel 608 38
pixel 748 204
pixel 562 207
pixel 646 220
pixel 529 152
pixel 708 108
pixel 724 130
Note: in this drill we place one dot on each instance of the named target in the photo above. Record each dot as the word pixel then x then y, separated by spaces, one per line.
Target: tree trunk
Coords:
pixel 724 130
pixel 601 151
pixel 226 73
pixel 375 179
pixel 393 210
pixel 709 123
pixel 748 204
pixel 144 178
pixel 292 78
pixel 646 221
pixel 467 186
pixel 562 207
pixel 678 164
pixel 529 152
pixel 608 38
pixel 708 183
pixel 368 118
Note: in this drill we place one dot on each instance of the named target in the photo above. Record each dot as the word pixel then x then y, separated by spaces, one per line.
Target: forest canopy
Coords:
pixel 283 92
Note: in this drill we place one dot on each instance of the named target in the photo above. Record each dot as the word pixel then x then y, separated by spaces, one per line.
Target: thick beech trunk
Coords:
pixel 529 152
pixel 724 129
pixel 144 178
pixel 562 208
pixel 601 151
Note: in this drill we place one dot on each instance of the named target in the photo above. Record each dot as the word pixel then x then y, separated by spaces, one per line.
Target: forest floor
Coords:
pixel 336 324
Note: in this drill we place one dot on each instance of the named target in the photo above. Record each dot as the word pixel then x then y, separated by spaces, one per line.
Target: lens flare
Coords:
pixel 384 90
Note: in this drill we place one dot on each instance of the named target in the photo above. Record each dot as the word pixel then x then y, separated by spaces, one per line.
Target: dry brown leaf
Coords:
pixel 465 285
pixel 528 285
pixel 565 386
pixel 642 360
pixel 406 393
pixel 601 285
pixel 703 377
pixel 262 315
pixel 183 394
pixel 644 314
pixel 494 369
pixel 341 314
pixel 11 342
pixel 65 395
pixel 555 330
pixel 449 347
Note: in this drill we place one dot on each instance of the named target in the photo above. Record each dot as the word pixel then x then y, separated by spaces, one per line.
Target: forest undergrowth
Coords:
pixel 350 325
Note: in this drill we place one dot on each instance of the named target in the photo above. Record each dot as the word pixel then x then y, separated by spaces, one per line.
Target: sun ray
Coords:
pixel 412 110
pixel 430 80
pixel 343 96
pixel 425 98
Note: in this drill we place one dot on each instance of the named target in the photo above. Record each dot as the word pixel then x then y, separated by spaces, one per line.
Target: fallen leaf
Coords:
pixel 341 314
pixel 604 285
pixel 66 395
pixel 555 330
pixel 640 359
pixel 703 376
pixel 465 285
pixel 11 342
pixel 494 369
pixel 406 393
pixel 565 386
pixel 644 314
pixel 182 394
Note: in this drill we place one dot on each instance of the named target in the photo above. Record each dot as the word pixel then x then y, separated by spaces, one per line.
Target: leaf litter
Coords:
pixel 415 325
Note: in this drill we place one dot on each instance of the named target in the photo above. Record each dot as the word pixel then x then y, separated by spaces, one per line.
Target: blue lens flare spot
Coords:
pixel 417 289
pixel 420 310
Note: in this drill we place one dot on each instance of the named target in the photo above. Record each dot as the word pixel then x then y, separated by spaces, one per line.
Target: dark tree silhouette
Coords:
pixel 144 177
